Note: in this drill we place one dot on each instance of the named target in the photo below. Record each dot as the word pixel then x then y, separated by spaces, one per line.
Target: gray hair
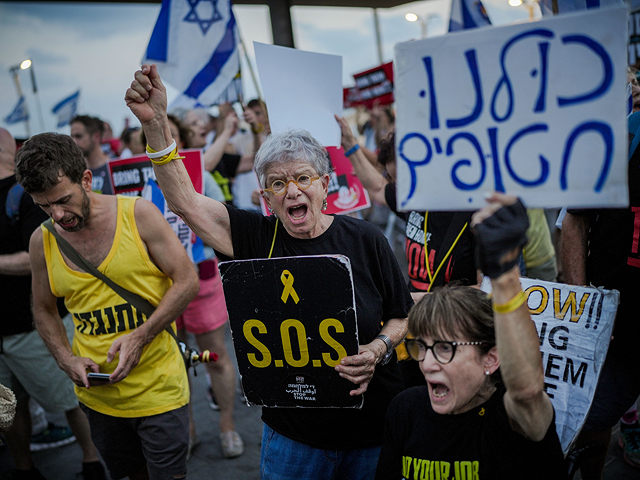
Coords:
pixel 293 145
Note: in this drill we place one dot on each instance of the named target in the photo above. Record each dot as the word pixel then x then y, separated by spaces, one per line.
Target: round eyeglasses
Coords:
pixel 443 352
pixel 279 187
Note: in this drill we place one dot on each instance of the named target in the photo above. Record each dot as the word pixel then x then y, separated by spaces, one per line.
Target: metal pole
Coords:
pixel 253 75
pixel 376 24
pixel 16 79
pixel 35 94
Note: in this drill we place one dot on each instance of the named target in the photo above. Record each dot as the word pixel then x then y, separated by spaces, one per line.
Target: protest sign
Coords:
pixel 373 87
pixel 536 109
pixel 574 326
pixel 302 90
pixel 292 320
pixel 346 193
pixel 135 176
pixel 130 175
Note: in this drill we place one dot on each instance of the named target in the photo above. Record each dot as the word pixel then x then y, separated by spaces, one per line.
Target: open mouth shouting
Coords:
pixel 438 391
pixel 297 213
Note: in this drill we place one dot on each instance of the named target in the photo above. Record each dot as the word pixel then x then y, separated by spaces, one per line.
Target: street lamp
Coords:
pixel 412 17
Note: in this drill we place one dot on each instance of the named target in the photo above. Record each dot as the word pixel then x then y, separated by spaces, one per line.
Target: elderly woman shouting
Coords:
pixel 483 413
pixel 293 170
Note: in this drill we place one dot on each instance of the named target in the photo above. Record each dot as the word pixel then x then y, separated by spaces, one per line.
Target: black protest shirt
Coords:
pixel 380 295
pixel 459 266
pixel 15 290
pixel 474 445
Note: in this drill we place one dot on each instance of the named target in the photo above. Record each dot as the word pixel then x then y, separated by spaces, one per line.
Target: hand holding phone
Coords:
pixel 97 379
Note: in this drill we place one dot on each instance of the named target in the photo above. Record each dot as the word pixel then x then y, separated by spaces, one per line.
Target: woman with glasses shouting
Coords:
pixel 484 413
pixel 293 169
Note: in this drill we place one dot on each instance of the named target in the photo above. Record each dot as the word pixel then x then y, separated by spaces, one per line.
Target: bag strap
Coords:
pixel 133 298
pixel 458 222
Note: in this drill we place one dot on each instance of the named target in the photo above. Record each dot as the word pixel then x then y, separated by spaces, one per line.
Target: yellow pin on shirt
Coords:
pixel 481 412
pixel 287 280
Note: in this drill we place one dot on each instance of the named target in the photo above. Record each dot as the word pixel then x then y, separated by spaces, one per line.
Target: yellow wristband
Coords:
pixel 173 155
pixel 512 305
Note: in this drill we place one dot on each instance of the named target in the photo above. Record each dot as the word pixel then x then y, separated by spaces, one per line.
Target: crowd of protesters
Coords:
pixel 464 409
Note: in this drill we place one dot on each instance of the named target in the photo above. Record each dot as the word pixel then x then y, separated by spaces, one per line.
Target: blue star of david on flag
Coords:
pixel 204 23
pixel 201 62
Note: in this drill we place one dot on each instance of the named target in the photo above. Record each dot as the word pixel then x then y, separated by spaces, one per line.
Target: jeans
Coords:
pixel 284 459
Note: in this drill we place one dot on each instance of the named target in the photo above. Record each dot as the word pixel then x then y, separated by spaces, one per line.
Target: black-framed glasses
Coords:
pixel 442 351
pixel 279 187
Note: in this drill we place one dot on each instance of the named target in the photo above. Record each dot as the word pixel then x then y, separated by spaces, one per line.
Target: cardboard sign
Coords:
pixel 292 321
pixel 536 109
pixel 574 325
pixel 135 176
pixel 302 90
pixel 346 193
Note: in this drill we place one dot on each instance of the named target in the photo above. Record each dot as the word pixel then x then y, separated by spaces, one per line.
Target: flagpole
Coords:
pixel 37 96
pixel 253 76
pixel 16 79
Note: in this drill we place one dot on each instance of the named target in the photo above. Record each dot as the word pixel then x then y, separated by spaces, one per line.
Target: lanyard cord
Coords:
pixel 273 242
pixel 426 252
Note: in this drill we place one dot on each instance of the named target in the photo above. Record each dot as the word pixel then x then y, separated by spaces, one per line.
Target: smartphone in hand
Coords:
pixel 97 379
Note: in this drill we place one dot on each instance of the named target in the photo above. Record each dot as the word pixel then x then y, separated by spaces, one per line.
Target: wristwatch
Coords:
pixel 389 354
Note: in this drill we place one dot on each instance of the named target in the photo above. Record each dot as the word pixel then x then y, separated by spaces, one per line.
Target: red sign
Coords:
pixel 373 87
pixel 130 175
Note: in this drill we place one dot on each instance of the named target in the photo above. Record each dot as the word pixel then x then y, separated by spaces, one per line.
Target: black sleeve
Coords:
pixel 397 298
pixel 390 197
pixel 251 234
pixel 31 216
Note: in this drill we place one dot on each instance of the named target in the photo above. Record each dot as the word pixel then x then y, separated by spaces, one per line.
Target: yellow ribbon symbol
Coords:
pixel 287 280
pixel 481 412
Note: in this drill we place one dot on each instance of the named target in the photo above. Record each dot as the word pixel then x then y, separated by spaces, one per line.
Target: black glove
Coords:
pixel 499 234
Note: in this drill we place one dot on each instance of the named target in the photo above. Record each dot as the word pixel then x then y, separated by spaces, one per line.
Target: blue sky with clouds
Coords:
pixel 97 47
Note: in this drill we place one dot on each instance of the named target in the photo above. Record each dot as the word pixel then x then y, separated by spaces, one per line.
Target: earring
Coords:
pixel 487 373
pixel 324 204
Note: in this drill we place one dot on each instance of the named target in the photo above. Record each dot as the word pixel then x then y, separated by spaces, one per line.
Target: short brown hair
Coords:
pixel 45 158
pixel 450 311
pixel 91 124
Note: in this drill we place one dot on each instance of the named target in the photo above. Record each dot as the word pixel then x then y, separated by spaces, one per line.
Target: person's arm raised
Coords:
pixel 209 219
pixel 214 153
pixel 169 255
pixel 371 178
pixel 500 230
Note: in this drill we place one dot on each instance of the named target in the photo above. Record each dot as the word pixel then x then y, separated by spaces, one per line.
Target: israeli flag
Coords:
pixel 195 46
pixel 66 109
pixel 467 14
pixel 19 113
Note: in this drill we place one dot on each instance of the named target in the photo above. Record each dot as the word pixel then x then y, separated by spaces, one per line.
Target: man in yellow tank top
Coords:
pixel 138 418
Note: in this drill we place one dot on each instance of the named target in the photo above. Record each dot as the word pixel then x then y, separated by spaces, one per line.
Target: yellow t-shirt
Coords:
pixel 539 248
pixel 159 382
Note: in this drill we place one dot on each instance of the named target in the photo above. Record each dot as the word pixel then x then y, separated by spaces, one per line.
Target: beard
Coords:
pixel 85 210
